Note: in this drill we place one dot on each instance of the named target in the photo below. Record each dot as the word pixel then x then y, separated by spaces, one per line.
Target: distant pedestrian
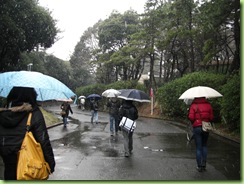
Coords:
pixel 66 108
pixel 82 104
pixel 200 110
pixel 113 105
pixel 94 110
pixel 129 110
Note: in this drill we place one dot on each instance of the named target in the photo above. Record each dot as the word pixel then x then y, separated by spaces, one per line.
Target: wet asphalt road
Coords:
pixel 87 152
pixel 161 153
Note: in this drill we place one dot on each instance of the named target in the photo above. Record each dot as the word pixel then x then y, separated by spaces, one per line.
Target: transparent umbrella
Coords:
pixel 109 93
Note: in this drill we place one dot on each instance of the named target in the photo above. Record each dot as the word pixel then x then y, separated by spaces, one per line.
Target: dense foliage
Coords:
pixel 226 108
pixel 24 26
pixel 231 103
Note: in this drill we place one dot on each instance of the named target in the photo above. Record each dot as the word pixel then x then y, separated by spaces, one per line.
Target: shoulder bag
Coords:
pixel 127 124
pixel 31 163
pixel 206 126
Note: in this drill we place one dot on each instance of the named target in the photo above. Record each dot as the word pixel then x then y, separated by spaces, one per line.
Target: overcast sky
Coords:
pixel 75 16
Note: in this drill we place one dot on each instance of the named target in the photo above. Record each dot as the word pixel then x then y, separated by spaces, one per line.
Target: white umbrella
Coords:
pixel 82 97
pixel 109 93
pixel 200 91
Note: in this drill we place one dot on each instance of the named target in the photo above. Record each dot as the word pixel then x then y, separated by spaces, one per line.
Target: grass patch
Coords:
pixel 50 119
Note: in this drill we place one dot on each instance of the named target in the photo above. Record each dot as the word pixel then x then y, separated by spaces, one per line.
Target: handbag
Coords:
pixel 31 163
pixel 206 126
pixel 62 113
pixel 127 124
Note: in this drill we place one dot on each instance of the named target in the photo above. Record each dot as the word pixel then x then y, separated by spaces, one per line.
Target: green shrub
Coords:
pixel 230 106
pixel 168 95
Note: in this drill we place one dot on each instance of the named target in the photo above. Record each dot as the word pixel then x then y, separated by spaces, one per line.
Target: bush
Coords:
pixel 230 106
pixel 168 95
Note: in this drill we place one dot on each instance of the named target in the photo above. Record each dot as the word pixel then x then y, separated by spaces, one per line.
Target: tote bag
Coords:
pixel 31 163
pixel 127 124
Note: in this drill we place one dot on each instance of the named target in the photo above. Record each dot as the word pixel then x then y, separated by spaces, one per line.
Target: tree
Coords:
pixel 25 26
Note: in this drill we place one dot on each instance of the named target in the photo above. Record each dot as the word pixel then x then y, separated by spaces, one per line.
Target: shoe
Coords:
pixel 203 168
pixel 116 133
pixel 111 133
pixel 199 169
pixel 130 152
pixel 127 154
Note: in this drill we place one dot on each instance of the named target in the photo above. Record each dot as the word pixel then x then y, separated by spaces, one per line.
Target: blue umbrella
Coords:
pixel 95 96
pixel 47 88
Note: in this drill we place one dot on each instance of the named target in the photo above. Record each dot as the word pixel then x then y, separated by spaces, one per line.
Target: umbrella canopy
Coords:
pixel 47 88
pixel 65 100
pixel 95 96
pixel 82 97
pixel 200 91
pixel 109 93
pixel 134 94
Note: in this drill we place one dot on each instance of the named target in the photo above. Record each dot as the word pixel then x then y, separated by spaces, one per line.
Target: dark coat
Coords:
pixel 129 110
pixel 94 105
pixel 113 106
pixel 67 108
pixel 13 129
pixel 200 110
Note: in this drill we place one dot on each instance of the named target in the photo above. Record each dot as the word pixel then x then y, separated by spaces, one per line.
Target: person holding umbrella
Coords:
pixel 129 110
pixel 20 102
pixel 200 110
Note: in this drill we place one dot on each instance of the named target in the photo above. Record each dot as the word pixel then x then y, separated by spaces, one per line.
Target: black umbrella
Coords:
pixel 134 94
pixel 95 96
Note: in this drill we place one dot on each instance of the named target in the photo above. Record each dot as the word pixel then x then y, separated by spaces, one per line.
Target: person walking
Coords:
pixel 200 110
pixel 20 102
pixel 94 110
pixel 113 105
pixel 82 104
pixel 66 108
pixel 129 110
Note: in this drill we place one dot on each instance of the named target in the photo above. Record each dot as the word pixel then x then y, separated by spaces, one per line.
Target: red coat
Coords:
pixel 200 110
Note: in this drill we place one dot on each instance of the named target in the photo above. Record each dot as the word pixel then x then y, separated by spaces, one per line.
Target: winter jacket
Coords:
pixel 94 105
pixel 113 107
pixel 13 129
pixel 66 107
pixel 200 110
pixel 128 110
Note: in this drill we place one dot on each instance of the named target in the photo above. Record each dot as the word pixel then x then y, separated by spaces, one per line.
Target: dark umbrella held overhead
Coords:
pixel 134 95
pixel 95 96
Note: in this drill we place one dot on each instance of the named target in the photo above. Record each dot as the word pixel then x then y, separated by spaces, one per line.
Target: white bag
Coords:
pixel 127 124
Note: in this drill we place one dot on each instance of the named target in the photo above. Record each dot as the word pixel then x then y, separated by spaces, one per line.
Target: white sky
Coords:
pixel 75 16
